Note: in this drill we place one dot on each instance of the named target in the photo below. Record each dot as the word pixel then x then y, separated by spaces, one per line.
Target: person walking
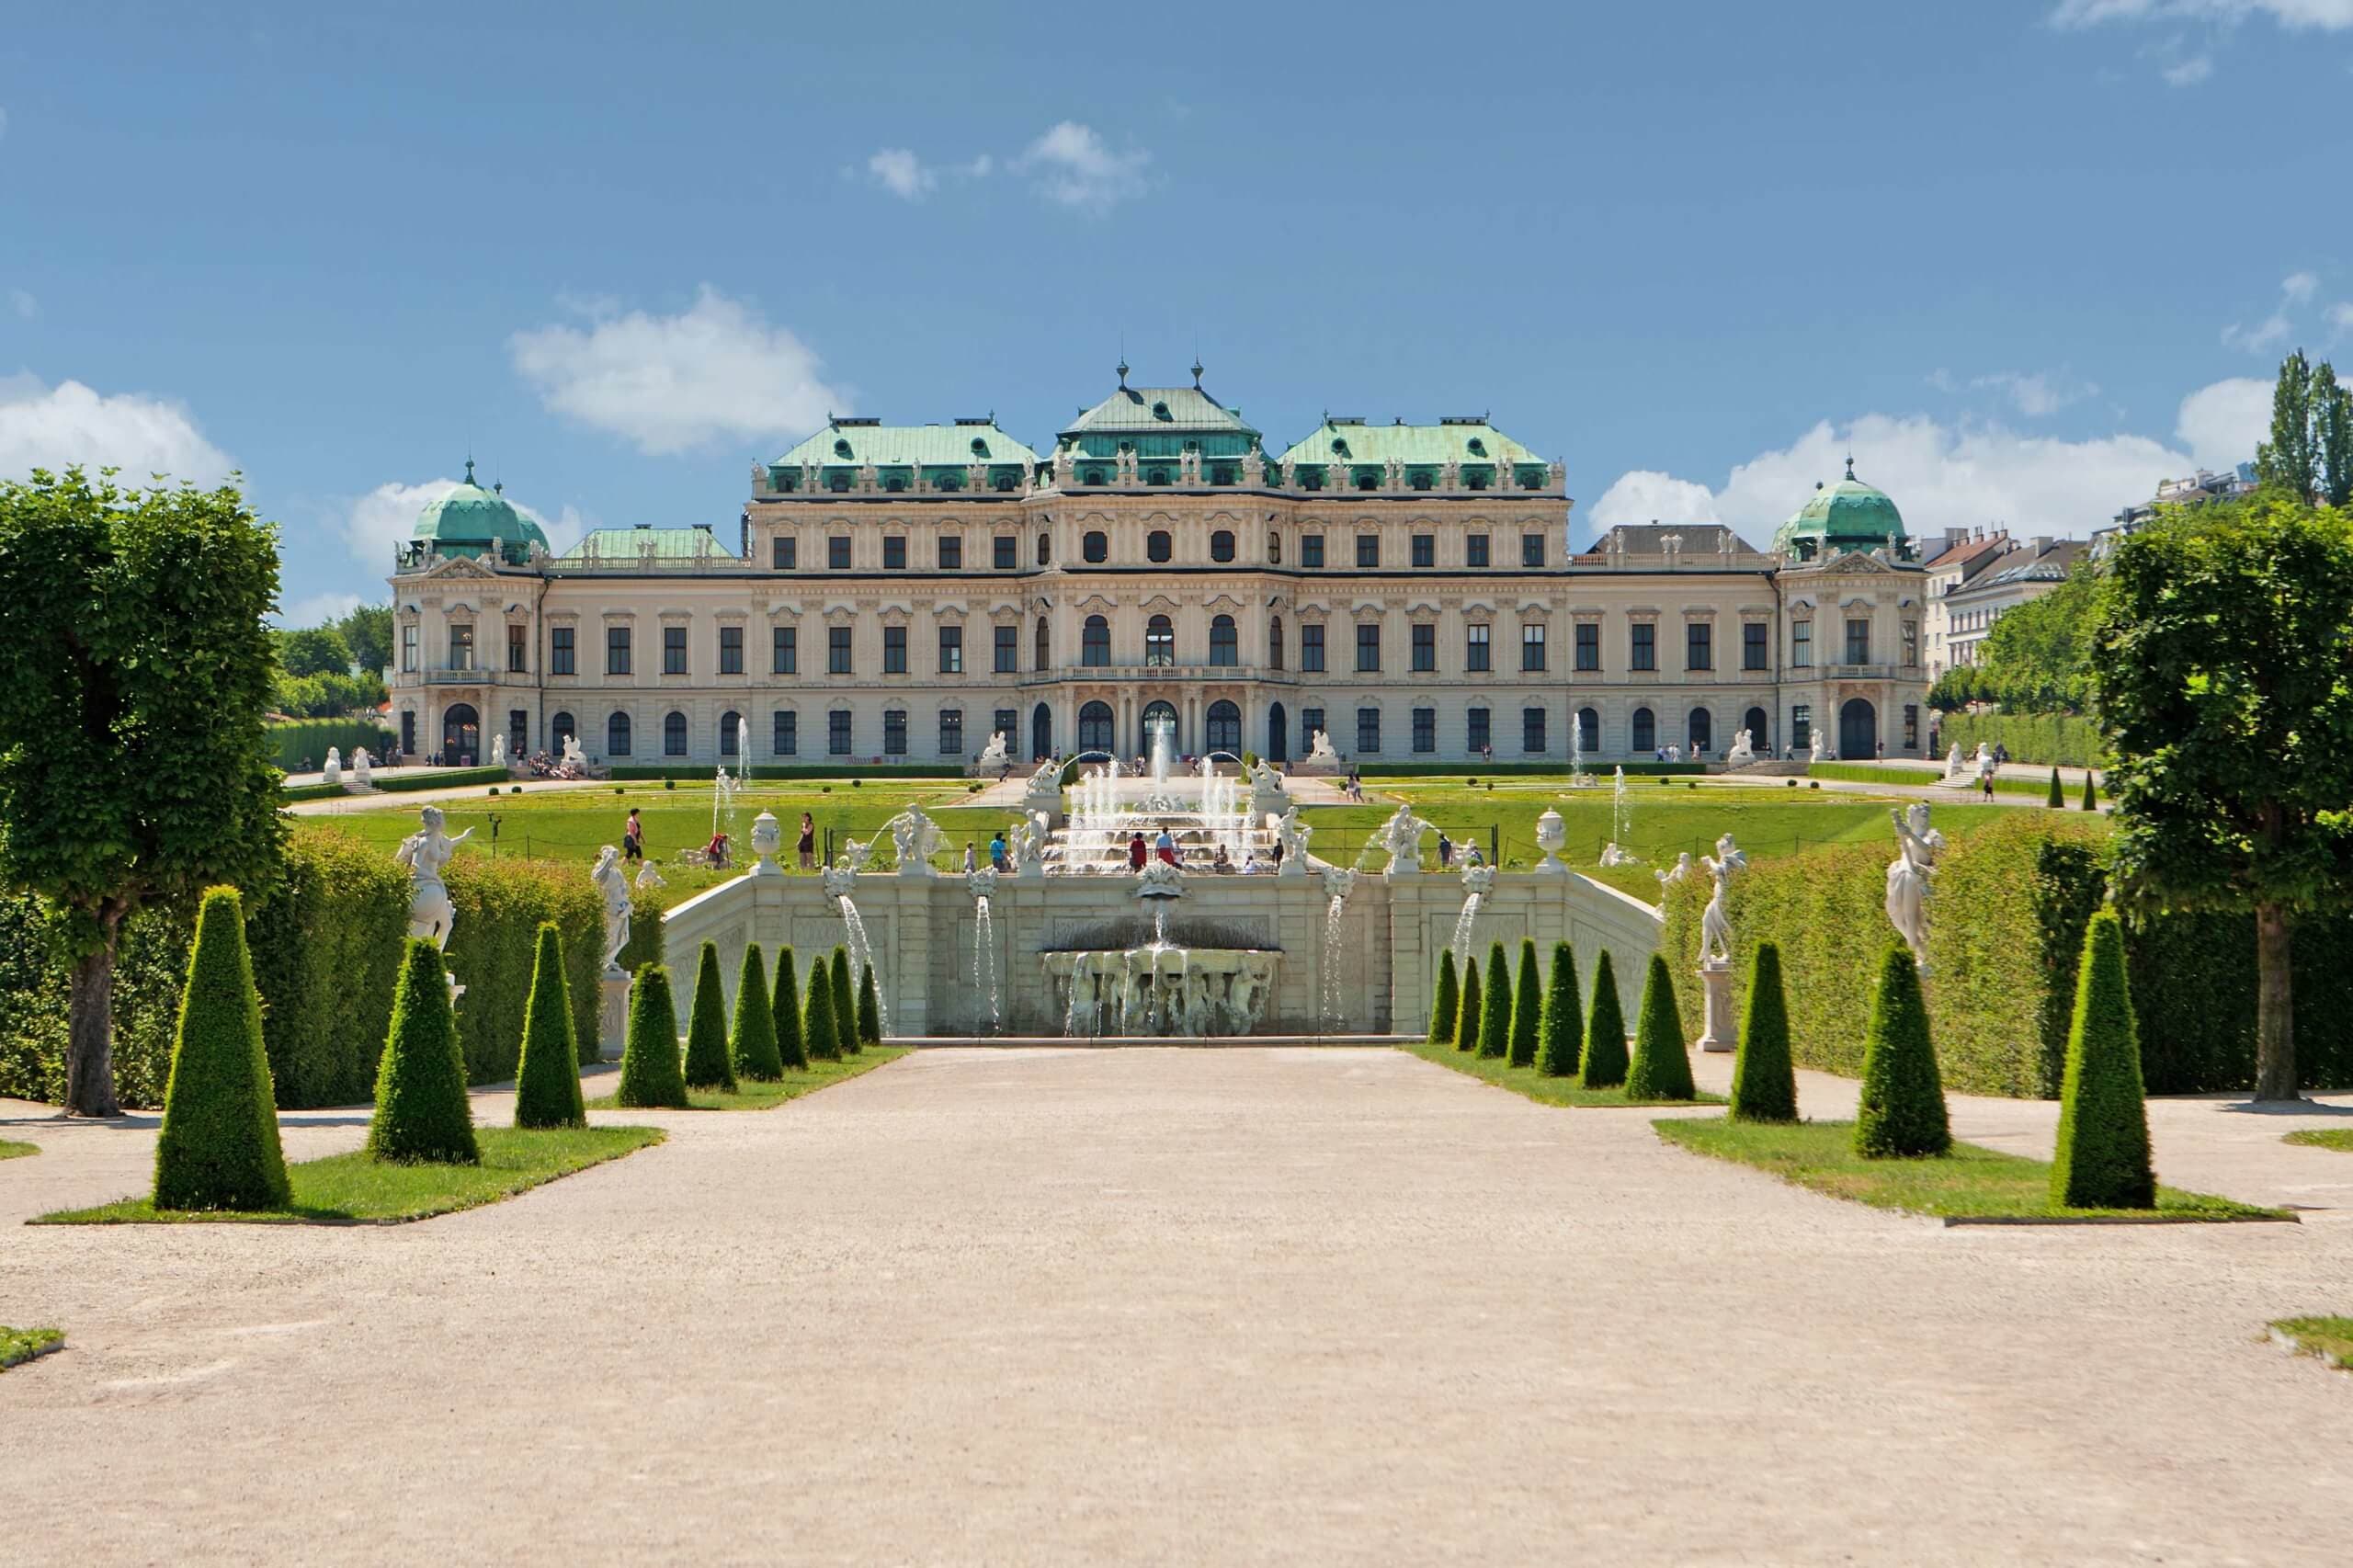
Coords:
pixel 996 850
pixel 1165 846
pixel 969 866
pixel 808 842
pixel 634 837
pixel 1445 851
pixel 1136 852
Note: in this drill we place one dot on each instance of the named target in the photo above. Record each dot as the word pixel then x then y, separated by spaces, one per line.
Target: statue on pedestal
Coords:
pixel 1401 836
pixel 1715 925
pixel 333 772
pixel 768 838
pixel 363 768
pixel 425 852
pixel 498 751
pixel 612 888
pixel 1550 833
pixel 1743 753
pixel 1292 834
pixel 1908 876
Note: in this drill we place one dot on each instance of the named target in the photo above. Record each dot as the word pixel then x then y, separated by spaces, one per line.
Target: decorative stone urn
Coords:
pixel 768 838
pixel 1550 833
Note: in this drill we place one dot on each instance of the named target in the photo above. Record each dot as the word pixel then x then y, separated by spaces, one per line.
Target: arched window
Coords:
pixel 616 735
pixel 1274 548
pixel 1044 644
pixel 561 729
pixel 1221 545
pixel 1222 650
pixel 1045 550
pixel 1159 641
pixel 1095 642
pixel 1588 730
pixel 1759 729
pixel 1699 733
pixel 1096 547
pixel 1225 727
pixel 1275 643
pixel 673 734
pixel 1156 545
pixel 727 734
pixel 1094 727
pixel 1645 731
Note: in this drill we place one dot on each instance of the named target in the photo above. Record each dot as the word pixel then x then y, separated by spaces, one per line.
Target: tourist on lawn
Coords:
pixel 996 849
pixel 714 853
pixel 969 865
pixel 634 837
pixel 1137 854
pixel 1444 850
pixel 808 842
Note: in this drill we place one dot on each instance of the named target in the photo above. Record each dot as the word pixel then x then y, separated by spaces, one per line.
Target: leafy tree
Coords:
pixel 2037 658
pixel 313 650
pixel 333 696
pixel 1495 1014
pixel 870 1008
pixel 2310 455
pixel 1661 1068
pixel 2333 432
pixel 1764 1084
pixel 368 632
pixel 219 1146
pixel 2103 1155
pixel 1467 1019
pixel 135 671
pixel 1605 1030
pixel 1901 1113
pixel 751 1045
pixel 792 1049
pixel 1526 1003
pixel 845 1003
pixel 1956 689
pixel 422 1112
pixel 1446 1001
pixel 817 1026
pixel 652 1074
pixel 707 1064
pixel 1564 1019
pixel 547 1083
pixel 2225 687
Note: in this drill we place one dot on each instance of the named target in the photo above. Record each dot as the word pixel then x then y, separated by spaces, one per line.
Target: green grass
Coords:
pixel 2324 1138
pixel 1893 773
pixel 1535 1086
pixel 24 1344
pixel 354 1189
pixel 2330 1338
pixel 10 1150
pixel 1971 1182
pixel 796 1081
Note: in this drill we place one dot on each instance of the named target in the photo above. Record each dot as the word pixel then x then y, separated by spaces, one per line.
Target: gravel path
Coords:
pixel 1171 1306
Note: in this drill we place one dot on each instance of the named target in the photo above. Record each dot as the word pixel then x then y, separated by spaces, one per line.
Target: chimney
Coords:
pixel 2042 544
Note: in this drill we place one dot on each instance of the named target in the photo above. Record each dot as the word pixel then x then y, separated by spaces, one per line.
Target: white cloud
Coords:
pixel 2189 72
pixel 902 174
pixel 2340 317
pixel 2037 395
pixel 982 166
pixel 2327 16
pixel 1645 495
pixel 23 304
pixel 54 427
pixel 386 515
pixel 716 370
pixel 2298 288
pixel 1076 169
pixel 2221 423
pixel 317 609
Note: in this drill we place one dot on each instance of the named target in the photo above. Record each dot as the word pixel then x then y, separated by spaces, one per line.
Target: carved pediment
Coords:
pixel 460 567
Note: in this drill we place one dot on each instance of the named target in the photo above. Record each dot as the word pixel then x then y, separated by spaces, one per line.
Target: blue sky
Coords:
pixel 2025 258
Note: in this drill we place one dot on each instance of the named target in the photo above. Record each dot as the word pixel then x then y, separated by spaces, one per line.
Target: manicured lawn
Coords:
pixel 2004 784
pixel 13 1150
pixel 24 1344
pixel 1971 1183
pixel 1527 1081
pixel 352 1188
pixel 2324 1138
pixel 791 1086
pixel 2330 1338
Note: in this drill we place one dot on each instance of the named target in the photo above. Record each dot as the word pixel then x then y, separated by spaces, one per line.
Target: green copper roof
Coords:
pixel 856 442
pixel 1158 411
pixel 469 519
pixel 628 545
pixel 1848 514
pixel 1452 440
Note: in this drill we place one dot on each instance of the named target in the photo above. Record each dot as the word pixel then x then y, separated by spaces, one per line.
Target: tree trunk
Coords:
pixel 2275 1007
pixel 89 1049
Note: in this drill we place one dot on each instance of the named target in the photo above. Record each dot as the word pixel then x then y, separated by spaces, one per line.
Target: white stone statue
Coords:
pixel 572 755
pixel 1319 751
pixel 1715 925
pixel 612 887
pixel 498 751
pixel 650 878
pixel 1819 745
pixel 1675 873
pixel 1292 834
pixel 1160 879
pixel 1028 846
pixel 1267 796
pixel 1550 833
pixel 1953 767
pixel 1732 854
pixel 1743 752
pixel 1613 856
pixel 917 838
pixel 768 838
pixel 1908 878
pixel 1478 880
pixel 1401 836
pixel 994 758
pixel 838 880
pixel 333 772
pixel 1044 792
pixel 363 768
pixel 425 852
pixel 1986 765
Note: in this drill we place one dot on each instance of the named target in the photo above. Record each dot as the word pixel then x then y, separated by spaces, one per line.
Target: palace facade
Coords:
pixel 896 593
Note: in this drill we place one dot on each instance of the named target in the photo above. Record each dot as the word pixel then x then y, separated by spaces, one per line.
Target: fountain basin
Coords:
pixel 1161 990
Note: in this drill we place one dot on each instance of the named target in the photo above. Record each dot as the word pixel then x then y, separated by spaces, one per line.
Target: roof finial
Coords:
pixel 1123 372
pixel 1197 370
pixel 1850 465
pixel 470 468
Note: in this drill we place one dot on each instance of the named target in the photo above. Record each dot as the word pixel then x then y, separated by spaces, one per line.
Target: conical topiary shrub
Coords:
pixel 1527 1002
pixel 422 1113
pixel 1902 1114
pixel 751 1044
pixel 1494 1013
pixel 2091 792
pixel 2058 798
pixel 791 1050
pixel 845 1003
pixel 870 1008
pixel 1445 1000
pixel 707 1063
pixel 1564 1018
pixel 1604 1031
pixel 219 1146
pixel 2103 1156
pixel 652 1075
pixel 817 1026
pixel 547 1084
pixel 1466 1017
pixel 1661 1069
pixel 1764 1084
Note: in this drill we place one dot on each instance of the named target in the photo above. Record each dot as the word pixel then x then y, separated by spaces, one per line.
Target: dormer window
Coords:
pixel 1160 411
pixel 1340 449
pixel 980 448
pixel 841 450
pixel 1478 447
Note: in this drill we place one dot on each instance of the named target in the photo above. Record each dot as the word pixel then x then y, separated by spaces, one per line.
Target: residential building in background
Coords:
pixel 1964 550
pixel 1998 583
pixel 2195 491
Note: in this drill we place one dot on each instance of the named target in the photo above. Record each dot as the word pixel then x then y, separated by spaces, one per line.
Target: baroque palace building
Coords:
pixel 896 593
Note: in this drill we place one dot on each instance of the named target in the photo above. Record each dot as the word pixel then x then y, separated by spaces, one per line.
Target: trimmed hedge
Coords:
pixel 1446 1000
pixel 2102 1160
pixel 1890 773
pixel 422 1112
pixel 1558 1047
pixel 438 779
pixel 1661 1069
pixel 1604 1031
pixel 219 1145
pixel 1764 1084
pixel 870 1008
pixel 844 1003
pixel 292 741
pixel 707 1064
pixel 292 792
pixel 818 1029
pixel 784 1008
pixel 1527 1002
pixel 1900 1113
pixel 1467 1016
pixel 704 774
pixel 547 1084
pixel 2031 737
pixel 751 1043
pixel 1475 769
pixel 500 904
pixel 645 943
pixel 1495 1012
pixel 653 1075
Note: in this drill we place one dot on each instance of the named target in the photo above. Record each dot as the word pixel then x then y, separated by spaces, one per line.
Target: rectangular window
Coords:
pixel 1475 655
pixel 951 652
pixel 1802 726
pixel 1310 648
pixel 1531 549
pixel 408 733
pixel 1751 645
pixel 837 650
pixel 894 552
pixel 894 732
pixel 519 732
pixel 952 553
pixel 1367 550
pixel 784 554
pixel 1911 726
pixel 784 651
pixel 674 650
pixel 1425 647
pixel 1858 642
pixel 1310 720
pixel 895 650
pixel 731 649
pixel 837 734
pixel 1644 651
pixel 461 647
pixel 1531 730
pixel 1474 549
pixel 1478 729
pixel 1008 553
pixel 1003 723
pixel 617 649
pixel 1531 648
pixel 1008 650
pixel 1699 645
pixel 788 733
pixel 1589 645
pixel 1368 648
pixel 952 731
pixel 1911 644
pixel 838 553
pixel 1425 549
pixel 1368 732
pixel 1801 644
pixel 1426 729
pixel 515 646
pixel 408 652
pixel 560 655
pixel 1311 550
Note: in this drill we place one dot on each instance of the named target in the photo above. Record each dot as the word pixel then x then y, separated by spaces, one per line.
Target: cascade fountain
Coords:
pixel 1578 778
pixel 1478 881
pixel 1621 825
pixel 723 805
pixel 981 884
pixel 1339 882
pixel 743 749
pixel 839 878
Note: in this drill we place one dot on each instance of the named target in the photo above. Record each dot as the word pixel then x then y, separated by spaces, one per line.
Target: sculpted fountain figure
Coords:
pixel 1908 876
pixel 1044 793
pixel 1743 752
pixel 363 768
pixel 1401 836
pixel 612 889
pixel 1292 834
pixel 994 758
pixel 1675 873
pixel 1028 846
pixel 648 878
pixel 572 755
pixel 1267 796
pixel 1613 856
pixel 425 852
pixel 333 772
pixel 917 838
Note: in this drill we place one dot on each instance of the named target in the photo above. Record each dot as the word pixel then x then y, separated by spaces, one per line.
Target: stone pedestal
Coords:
pixel 1723 1029
pixel 612 1015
